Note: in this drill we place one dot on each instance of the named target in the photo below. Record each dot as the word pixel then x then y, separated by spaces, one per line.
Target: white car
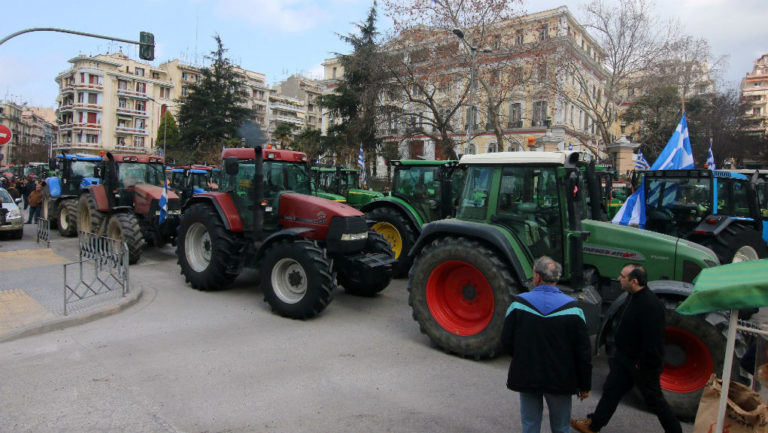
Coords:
pixel 12 222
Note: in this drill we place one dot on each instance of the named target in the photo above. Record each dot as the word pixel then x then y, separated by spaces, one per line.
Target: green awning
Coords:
pixel 729 287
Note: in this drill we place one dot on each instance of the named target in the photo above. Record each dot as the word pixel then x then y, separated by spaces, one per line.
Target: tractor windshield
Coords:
pixel 474 199
pixel 676 205
pixel 83 169
pixel 133 173
pixel 419 186
pixel 327 180
pixel 350 180
pixel 285 176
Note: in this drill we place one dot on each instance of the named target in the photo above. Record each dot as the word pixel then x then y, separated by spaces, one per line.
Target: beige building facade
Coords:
pixel 754 96
pixel 32 133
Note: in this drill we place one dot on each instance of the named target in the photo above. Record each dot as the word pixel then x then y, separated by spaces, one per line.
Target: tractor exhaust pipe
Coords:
pixel 258 192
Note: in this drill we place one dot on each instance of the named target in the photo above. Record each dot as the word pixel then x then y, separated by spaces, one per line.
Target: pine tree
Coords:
pixel 168 137
pixel 214 107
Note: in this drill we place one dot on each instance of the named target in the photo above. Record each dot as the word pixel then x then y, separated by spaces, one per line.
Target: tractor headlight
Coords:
pixel 354 236
pixel 174 212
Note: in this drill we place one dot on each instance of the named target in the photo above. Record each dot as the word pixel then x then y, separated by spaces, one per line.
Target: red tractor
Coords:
pixel 264 216
pixel 127 205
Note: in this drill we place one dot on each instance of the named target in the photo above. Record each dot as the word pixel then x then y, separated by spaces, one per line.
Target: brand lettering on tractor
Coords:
pixel 726 428
pixel 321 218
pixel 611 252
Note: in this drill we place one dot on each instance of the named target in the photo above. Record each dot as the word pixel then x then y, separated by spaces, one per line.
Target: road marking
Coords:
pixel 17 309
pixel 23 259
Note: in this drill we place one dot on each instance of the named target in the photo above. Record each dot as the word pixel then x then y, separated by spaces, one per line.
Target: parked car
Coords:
pixel 10 215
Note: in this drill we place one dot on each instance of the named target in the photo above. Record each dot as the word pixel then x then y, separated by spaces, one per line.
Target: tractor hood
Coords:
pixel 152 192
pixel 611 246
pixel 300 210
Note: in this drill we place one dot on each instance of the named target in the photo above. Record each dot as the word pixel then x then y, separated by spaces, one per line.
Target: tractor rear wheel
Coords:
pixel 459 293
pixel 738 243
pixel 125 227
pixel 361 283
pixel 89 218
pixel 68 217
pixel 205 249
pixel 297 278
pixel 400 234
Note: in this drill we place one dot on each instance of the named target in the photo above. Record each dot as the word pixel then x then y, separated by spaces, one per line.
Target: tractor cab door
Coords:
pixel 528 204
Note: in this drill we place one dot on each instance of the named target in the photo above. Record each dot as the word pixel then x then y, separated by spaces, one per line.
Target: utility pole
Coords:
pixel 472 113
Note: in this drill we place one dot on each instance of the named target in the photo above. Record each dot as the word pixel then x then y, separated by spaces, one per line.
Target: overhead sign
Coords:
pixel 5 134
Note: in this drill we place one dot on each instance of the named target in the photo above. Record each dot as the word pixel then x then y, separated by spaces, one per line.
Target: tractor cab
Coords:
pixel 430 187
pixel 73 172
pixel 135 173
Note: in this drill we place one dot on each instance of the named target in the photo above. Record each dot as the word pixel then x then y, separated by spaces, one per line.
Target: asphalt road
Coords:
pixel 190 361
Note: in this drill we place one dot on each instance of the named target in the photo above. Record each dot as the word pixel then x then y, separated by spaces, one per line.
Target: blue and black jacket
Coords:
pixel 546 334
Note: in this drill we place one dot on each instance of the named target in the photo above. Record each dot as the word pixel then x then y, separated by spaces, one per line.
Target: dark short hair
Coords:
pixel 638 273
pixel 549 270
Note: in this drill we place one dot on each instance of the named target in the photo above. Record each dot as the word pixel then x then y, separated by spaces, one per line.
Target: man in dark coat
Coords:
pixel 639 356
pixel 546 334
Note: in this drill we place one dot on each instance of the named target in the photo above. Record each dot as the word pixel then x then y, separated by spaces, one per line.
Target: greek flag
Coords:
pixel 361 164
pixel 570 146
pixel 640 162
pixel 164 202
pixel 677 154
pixel 710 157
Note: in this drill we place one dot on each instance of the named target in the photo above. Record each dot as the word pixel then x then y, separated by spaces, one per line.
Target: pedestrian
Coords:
pixel 29 186
pixel 35 201
pixel 639 356
pixel 546 334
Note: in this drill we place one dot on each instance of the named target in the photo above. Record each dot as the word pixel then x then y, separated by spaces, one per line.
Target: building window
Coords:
pixel 122 103
pixel 542 72
pixel 120 141
pixel 92 138
pixel 155 75
pixel 539 113
pixel 184 76
pixel 140 72
pixel 544 32
pixel 93 98
pixel 138 141
pixel 492 148
pixel 515 115
pixel 333 73
pixel 140 106
pixel 121 123
pixel 141 87
pixel 756 111
pixel 140 124
pixel 519 37
pixel 184 91
pixel 122 84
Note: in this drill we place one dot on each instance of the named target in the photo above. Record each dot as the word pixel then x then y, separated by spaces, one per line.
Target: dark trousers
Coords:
pixel 622 376
pixel 34 214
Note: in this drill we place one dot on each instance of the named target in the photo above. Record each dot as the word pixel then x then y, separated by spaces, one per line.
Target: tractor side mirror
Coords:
pixel 231 165
pixel 98 172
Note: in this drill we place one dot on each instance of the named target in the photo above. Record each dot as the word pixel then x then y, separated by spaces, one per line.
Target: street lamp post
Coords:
pixel 472 66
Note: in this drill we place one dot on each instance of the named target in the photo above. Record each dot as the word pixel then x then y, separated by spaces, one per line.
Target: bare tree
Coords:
pixel 435 54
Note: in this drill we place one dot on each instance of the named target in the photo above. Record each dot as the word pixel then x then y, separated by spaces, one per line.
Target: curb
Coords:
pixel 62 322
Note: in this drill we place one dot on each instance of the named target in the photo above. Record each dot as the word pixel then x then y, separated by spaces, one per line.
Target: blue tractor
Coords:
pixel 61 192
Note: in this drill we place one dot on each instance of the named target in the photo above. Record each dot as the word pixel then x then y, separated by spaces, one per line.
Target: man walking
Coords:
pixel 639 357
pixel 546 334
pixel 35 201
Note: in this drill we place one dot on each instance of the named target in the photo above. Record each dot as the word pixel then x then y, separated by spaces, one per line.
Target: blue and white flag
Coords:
pixel 570 146
pixel 710 157
pixel 677 154
pixel 164 202
pixel 361 164
pixel 640 162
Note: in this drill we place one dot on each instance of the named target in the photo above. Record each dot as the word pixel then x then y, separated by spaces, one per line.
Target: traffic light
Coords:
pixel 146 46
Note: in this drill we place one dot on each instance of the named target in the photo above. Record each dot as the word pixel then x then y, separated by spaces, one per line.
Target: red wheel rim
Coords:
pixel 460 298
pixel 694 371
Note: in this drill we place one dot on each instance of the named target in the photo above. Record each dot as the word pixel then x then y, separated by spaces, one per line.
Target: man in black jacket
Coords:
pixel 546 334
pixel 639 357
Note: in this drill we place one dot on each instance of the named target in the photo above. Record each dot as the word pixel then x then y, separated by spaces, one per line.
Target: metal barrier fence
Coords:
pixel 43 232
pixel 109 271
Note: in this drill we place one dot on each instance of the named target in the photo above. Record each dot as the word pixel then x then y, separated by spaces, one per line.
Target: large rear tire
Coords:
pixel 89 218
pixel 67 220
pixel 738 243
pixel 297 278
pixel 125 227
pixel 459 292
pixel 205 249
pixel 399 232
pixel 358 282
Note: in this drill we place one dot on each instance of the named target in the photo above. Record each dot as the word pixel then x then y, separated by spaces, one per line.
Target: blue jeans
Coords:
pixel 531 407
pixel 34 214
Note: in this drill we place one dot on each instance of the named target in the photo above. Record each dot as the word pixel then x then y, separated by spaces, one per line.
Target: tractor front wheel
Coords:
pixel 459 292
pixel 360 282
pixel 738 243
pixel 68 217
pixel 89 218
pixel 400 234
pixel 297 278
pixel 205 249
pixel 125 227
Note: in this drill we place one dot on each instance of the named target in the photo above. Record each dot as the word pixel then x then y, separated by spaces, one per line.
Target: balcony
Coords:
pixel 287 107
pixel 130 130
pixel 516 124
pixel 65 107
pixel 132 94
pixel 89 86
pixel 294 120
pixel 68 88
pixel 129 112
pixel 88 126
pixel 84 106
pixel 130 148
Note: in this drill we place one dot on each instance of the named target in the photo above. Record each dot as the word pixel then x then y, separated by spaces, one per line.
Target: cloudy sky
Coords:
pixel 280 37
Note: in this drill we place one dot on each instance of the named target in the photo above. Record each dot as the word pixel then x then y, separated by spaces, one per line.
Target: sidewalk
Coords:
pixel 32 291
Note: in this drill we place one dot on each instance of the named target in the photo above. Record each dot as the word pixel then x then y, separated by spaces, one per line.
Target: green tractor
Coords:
pixel 345 183
pixel 421 192
pixel 518 206
pixel 718 209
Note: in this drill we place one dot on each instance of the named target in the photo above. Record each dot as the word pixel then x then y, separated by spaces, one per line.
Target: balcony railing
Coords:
pixel 294 120
pixel 517 124
pixel 129 112
pixel 295 108
pixel 131 148
pixel 89 86
pixel 85 106
pixel 86 125
pixel 130 130
pixel 65 107
pixel 68 88
pixel 132 93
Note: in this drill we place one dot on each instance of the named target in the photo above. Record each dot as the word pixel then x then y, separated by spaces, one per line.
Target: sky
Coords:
pixel 282 37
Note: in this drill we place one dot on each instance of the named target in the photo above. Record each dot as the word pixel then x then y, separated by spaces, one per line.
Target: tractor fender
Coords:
pixel 225 207
pixel 398 205
pixel 294 232
pixel 99 193
pixel 481 232
pixel 662 288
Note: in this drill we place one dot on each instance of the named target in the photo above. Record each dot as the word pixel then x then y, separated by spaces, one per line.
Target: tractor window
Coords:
pixel 474 199
pixel 133 173
pixel 285 176
pixel 740 200
pixel 676 205
pixel 83 168
pixel 529 205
